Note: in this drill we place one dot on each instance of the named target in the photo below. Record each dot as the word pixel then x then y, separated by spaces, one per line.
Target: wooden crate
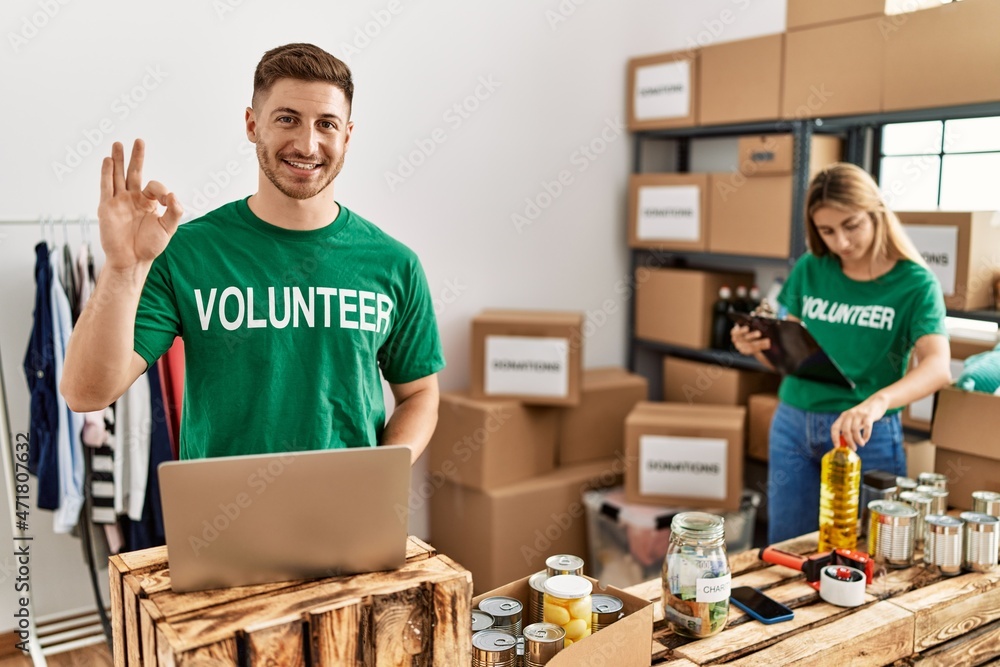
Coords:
pixel 910 617
pixel 419 614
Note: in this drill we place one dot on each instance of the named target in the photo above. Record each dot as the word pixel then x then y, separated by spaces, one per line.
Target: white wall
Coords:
pixel 179 75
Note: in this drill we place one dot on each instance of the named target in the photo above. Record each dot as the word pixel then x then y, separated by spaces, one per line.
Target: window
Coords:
pixel 949 165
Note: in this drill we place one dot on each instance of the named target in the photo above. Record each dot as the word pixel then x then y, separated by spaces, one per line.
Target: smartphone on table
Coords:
pixel 760 606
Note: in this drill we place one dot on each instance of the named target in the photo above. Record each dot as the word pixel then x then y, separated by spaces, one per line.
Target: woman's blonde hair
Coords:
pixel 851 189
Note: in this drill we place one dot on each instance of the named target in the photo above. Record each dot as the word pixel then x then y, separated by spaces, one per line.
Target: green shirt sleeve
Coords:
pixel 927 316
pixel 157 321
pixel 791 293
pixel 412 349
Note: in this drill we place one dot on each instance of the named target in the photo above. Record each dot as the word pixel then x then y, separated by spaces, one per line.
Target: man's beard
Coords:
pixel 286 183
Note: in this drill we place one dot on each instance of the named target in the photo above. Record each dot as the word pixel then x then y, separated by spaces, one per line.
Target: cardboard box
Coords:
pixel 685 455
pixel 920 457
pixel 774 154
pixel 917 415
pixel 668 211
pixel 624 643
pixel 753 217
pixel 532 356
pixel 940 57
pixel 663 91
pixel 760 409
pixel 966 474
pixel 507 533
pixel 962 248
pixel 833 70
pixel 686 381
pixel 488 443
pixel 805 13
pixel 740 81
pixel 967 422
pixel 674 306
pixel 595 429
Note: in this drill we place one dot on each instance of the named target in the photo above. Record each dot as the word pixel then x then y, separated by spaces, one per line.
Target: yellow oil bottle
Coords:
pixel 840 487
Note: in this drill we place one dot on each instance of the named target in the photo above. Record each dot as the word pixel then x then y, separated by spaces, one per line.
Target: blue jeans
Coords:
pixel 798 441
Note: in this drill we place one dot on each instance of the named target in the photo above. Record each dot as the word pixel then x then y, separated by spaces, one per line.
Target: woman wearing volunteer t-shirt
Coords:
pixel 867 297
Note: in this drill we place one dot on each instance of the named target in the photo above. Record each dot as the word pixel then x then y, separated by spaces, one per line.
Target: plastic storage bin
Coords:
pixel 628 542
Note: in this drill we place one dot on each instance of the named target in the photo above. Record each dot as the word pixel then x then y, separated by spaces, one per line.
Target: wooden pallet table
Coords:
pixel 910 617
pixel 416 615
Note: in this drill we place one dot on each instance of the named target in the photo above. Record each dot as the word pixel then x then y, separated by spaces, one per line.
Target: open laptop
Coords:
pixel 243 520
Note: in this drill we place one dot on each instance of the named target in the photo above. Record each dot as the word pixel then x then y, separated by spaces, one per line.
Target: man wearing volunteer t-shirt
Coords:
pixel 289 304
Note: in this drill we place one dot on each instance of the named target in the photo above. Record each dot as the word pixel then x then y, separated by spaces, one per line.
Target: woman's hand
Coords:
pixel 855 425
pixel 747 341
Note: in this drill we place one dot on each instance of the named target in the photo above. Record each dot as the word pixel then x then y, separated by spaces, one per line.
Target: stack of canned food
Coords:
pixel 562 609
pixel 913 517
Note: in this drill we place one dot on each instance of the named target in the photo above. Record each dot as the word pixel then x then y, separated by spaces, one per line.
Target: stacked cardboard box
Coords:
pixel 965 435
pixel 511 457
pixel 917 415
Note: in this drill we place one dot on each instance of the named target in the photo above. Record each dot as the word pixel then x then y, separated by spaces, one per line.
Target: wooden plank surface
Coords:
pixel 133 638
pixel 875 635
pixel 149 616
pixel 219 654
pixel 144 560
pixel 401 627
pixel 974 648
pixel 452 635
pixel 116 571
pixel 335 634
pixel 952 607
pixel 276 642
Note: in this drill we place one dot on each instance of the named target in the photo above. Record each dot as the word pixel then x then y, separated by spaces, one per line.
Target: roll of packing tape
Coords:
pixel 841 585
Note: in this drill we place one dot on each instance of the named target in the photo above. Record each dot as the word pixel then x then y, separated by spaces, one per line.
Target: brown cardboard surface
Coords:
pixel 674 306
pixel 505 534
pixel 760 410
pixel 961 349
pixel 978 252
pixel 624 643
pixel 686 381
pixel 944 56
pixel 639 181
pixel 740 81
pixel 833 70
pixel 682 419
pixel 692 58
pixel 750 216
pixel 595 429
pixel 773 154
pixel 528 323
pixel 968 422
pixel 803 13
pixel 966 473
pixel 919 457
pixel 477 440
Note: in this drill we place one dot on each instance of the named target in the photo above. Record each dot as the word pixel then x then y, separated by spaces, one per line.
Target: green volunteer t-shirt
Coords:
pixel 868 327
pixel 285 331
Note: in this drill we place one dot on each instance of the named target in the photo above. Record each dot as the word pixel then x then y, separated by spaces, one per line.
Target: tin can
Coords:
pixel 939 498
pixel 492 648
pixel 536 596
pixel 943 549
pixel 607 610
pixel 935 479
pixel 519 662
pixel 982 532
pixel 564 564
pixel 890 534
pixel 905 484
pixel 987 502
pixel 481 620
pixel 506 613
pixel 541 642
pixel 922 503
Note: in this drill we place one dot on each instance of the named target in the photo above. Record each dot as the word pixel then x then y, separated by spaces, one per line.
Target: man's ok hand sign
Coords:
pixel 132 232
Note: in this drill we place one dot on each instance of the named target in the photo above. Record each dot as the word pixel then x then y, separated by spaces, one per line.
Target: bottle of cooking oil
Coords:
pixel 840 486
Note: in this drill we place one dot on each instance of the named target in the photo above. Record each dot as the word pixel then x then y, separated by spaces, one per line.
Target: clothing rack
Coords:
pixel 57 642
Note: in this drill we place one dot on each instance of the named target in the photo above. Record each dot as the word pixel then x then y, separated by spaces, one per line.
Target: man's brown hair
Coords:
pixel 305 62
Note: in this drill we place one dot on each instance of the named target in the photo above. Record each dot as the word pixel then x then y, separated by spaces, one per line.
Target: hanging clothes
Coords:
pixel 133 426
pixel 68 446
pixel 40 371
pixel 171 366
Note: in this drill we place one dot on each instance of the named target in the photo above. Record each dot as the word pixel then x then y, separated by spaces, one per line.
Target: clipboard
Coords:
pixel 793 350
